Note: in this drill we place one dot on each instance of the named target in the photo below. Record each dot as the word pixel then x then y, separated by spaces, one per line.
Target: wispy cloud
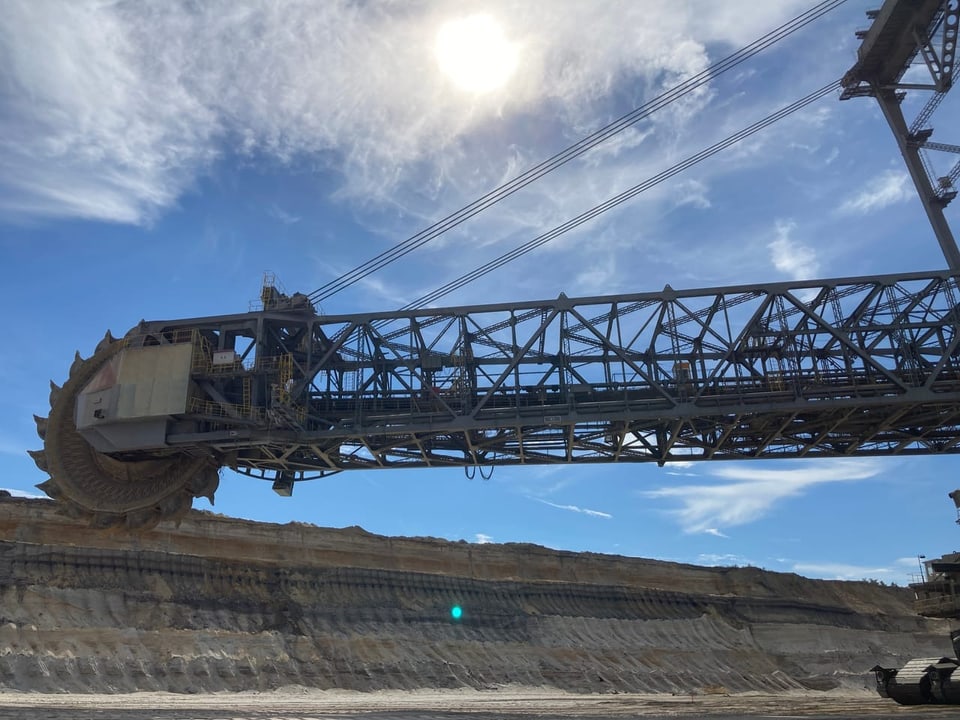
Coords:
pixel 24 494
pixel 890 188
pixel 790 256
pixel 278 213
pixel 910 562
pixel 378 291
pixel 113 110
pixel 576 509
pixel 682 468
pixel 544 480
pixel 726 560
pixel 841 571
pixel 749 493
pixel 482 539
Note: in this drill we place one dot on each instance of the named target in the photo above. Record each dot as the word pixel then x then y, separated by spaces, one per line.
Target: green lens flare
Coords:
pixel 456 612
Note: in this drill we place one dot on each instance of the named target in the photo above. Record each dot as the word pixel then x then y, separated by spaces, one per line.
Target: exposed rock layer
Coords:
pixel 220 603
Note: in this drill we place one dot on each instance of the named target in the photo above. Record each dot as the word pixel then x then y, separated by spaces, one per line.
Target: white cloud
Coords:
pixel 278 213
pixel 841 571
pixel 692 193
pixel 24 494
pixel 751 492
pixel 911 568
pixel 725 560
pixel 910 562
pixel 544 480
pixel 576 509
pixel 482 539
pixel 95 125
pixel 599 277
pixel 377 291
pixel 624 142
pixel 741 22
pixel 890 188
pixel 113 110
pixel 715 532
pixel 791 257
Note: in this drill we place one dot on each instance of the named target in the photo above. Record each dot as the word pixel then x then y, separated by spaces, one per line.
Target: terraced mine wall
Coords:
pixel 226 604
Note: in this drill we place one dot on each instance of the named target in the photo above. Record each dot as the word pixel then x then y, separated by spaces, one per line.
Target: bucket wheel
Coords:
pixel 107 491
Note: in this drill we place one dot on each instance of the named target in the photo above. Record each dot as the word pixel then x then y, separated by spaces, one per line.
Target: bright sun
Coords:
pixel 474 53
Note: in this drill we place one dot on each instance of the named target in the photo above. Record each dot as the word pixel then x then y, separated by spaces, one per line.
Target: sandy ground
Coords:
pixel 306 704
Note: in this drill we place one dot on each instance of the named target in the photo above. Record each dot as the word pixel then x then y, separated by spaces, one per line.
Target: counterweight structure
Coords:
pixel 835 368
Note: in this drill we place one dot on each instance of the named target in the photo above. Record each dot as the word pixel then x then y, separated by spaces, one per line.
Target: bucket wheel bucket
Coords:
pixel 107 491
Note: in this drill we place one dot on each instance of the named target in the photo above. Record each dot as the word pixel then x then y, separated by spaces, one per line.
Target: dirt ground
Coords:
pixel 220 605
pixel 295 703
pixel 225 619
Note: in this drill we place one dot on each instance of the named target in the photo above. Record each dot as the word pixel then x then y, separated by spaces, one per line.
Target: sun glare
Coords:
pixel 474 53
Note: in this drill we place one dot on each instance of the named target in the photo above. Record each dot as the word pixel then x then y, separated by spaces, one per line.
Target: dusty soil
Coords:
pixel 220 604
pixel 504 704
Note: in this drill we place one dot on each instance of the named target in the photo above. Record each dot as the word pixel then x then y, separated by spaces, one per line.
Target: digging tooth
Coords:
pixel 39 457
pixel 170 505
pixel 41 426
pixel 142 520
pixel 105 521
pixel 176 506
pixel 108 339
pixel 50 488
pixel 77 362
pixel 74 512
pixel 205 484
pixel 54 393
pixel 105 492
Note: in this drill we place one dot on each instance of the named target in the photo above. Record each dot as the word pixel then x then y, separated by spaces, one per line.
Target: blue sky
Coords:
pixel 157 157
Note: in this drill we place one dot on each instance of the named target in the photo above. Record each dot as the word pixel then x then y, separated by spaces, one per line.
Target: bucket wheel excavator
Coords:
pixel 109 490
pixel 834 368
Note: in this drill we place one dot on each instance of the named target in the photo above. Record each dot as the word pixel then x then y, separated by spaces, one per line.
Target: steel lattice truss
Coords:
pixel 849 367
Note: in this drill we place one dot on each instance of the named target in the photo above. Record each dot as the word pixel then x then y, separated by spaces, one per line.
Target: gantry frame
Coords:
pixel 902 30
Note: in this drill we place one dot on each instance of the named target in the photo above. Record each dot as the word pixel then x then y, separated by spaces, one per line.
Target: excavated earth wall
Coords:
pixel 226 604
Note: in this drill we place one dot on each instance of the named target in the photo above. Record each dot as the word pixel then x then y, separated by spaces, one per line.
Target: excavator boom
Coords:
pixel 841 368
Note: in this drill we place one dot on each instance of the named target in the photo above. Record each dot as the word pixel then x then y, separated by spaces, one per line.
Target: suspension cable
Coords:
pixel 505 190
pixel 621 198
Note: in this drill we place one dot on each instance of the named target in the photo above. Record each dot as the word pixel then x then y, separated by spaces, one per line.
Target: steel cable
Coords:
pixel 621 198
pixel 494 196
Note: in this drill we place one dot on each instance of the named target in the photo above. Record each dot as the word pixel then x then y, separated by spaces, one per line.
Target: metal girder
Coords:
pixel 846 367
pixel 901 30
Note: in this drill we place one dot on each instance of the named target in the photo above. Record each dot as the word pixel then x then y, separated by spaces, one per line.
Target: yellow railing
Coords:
pixel 202 353
pixel 286 376
pixel 209 408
